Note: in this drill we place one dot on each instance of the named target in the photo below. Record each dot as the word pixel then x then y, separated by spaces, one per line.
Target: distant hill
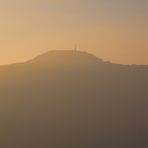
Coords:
pixel 72 99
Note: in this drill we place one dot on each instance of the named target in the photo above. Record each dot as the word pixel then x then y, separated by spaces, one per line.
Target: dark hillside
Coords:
pixel 72 99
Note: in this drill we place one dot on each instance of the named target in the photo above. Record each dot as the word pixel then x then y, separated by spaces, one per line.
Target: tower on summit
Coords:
pixel 75 47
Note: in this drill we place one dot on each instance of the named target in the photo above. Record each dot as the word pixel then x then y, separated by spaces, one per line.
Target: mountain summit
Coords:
pixel 73 99
pixel 66 58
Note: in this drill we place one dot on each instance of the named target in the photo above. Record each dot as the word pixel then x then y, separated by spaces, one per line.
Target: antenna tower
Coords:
pixel 75 47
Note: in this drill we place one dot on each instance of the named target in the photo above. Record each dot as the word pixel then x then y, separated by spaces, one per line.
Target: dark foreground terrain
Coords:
pixel 71 99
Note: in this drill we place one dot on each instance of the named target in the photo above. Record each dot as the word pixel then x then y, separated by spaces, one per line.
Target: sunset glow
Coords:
pixel 115 30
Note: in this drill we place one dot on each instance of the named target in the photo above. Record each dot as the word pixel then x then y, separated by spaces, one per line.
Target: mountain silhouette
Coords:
pixel 72 99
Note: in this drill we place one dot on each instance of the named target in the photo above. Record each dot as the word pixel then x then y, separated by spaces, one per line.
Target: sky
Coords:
pixel 115 30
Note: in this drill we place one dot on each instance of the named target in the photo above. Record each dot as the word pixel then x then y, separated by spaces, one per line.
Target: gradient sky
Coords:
pixel 115 30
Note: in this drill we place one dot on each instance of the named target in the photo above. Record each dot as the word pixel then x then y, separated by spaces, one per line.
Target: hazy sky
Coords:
pixel 115 30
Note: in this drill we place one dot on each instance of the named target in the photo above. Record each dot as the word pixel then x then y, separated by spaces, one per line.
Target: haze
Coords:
pixel 115 30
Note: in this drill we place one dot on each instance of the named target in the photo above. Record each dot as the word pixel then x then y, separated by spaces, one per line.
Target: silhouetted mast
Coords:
pixel 75 47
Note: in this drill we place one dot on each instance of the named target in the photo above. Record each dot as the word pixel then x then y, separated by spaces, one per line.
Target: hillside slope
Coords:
pixel 72 99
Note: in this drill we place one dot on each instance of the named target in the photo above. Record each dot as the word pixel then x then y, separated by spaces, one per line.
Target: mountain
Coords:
pixel 72 99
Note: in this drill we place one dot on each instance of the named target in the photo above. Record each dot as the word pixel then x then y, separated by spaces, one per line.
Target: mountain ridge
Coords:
pixel 75 101
pixel 49 56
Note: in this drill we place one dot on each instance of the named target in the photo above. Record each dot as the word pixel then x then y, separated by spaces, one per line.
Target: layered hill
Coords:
pixel 72 99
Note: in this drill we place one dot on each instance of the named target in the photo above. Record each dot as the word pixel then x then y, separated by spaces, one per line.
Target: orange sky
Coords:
pixel 115 30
